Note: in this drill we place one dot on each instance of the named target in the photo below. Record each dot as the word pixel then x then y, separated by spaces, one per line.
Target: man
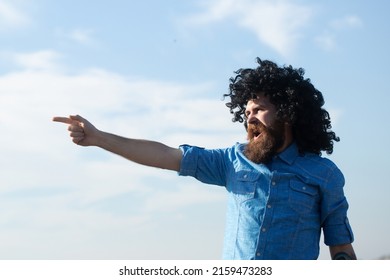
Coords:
pixel 282 193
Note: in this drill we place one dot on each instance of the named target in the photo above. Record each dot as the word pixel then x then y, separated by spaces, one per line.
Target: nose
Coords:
pixel 251 119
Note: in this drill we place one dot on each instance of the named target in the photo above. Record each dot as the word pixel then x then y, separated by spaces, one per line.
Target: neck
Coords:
pixel 288 138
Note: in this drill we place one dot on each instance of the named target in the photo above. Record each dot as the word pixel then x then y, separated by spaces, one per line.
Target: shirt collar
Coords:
pixel 289 154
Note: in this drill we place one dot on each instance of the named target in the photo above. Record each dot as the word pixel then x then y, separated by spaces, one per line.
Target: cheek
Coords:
pixel 267 119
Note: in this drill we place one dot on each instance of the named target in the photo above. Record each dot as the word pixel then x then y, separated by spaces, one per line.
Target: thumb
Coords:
pixel 77 118
pixel 84 123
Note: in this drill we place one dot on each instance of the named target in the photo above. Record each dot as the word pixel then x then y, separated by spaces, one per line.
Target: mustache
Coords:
pixel 255 129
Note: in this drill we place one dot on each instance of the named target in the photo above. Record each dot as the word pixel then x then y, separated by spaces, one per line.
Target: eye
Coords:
pixel 260 108
pixel 255 111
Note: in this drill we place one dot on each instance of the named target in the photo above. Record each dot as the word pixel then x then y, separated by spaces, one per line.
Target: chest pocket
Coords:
pixel 243 185
pixel 303 198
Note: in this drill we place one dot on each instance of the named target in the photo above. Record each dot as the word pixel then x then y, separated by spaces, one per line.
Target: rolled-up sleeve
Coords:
pixel 336 227
pixel 207 166
pixel 189 160
pixel 338 234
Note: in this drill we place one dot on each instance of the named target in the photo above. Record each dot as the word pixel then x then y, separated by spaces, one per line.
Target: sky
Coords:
pixel 158 70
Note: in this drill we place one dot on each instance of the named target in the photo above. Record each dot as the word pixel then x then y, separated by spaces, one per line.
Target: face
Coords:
pixel 266 135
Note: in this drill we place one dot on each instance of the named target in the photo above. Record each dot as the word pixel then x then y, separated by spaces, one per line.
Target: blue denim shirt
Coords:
pixel 275 211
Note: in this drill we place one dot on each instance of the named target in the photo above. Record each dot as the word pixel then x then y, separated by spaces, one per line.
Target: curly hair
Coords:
pixel 296 100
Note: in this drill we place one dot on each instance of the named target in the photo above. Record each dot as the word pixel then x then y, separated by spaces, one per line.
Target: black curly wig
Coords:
pixel 296 100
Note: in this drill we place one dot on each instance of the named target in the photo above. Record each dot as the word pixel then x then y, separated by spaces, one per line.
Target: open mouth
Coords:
pixel 255 132
pixel 256 135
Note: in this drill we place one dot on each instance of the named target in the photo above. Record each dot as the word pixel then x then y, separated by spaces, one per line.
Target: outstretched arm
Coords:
pixel 144 152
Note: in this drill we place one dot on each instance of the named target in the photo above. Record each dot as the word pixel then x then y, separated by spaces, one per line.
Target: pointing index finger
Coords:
pixel 63 120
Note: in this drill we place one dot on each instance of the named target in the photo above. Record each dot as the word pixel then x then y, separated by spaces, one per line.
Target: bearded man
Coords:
pixel 282 192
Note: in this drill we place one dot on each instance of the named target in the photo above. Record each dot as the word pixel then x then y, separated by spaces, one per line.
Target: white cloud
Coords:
pixel 46 60
pixel 184 196
pixel 215 10
pixel 82 36
pixel 277 24
pixel 10 16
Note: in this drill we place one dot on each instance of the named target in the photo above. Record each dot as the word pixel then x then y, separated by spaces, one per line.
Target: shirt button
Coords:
pixel 303 188
pixel 269 206
pixel 263 229
pixel 258 254
pixel 245 176
pixel 273 183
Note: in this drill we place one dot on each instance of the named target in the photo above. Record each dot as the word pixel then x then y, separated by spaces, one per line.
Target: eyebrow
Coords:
pixel 256 105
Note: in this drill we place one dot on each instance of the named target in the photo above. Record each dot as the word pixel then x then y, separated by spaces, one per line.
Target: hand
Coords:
pixel 83 133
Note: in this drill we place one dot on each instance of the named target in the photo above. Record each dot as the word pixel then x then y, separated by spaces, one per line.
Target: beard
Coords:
pixel 264 142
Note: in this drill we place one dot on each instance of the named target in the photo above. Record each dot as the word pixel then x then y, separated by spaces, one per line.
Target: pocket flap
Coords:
pixel 247 176
pixel 303 188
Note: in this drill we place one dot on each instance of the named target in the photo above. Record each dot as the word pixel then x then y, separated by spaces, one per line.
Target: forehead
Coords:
pixel 260 100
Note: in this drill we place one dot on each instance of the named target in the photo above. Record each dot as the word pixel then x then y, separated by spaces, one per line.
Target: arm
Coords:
pixel 337 252
pixel 144 152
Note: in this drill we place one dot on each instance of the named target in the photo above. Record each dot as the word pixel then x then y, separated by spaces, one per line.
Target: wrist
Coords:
pixel 342 256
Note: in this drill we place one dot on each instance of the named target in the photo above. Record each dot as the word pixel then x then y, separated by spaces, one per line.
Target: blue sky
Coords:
pixel 158 70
